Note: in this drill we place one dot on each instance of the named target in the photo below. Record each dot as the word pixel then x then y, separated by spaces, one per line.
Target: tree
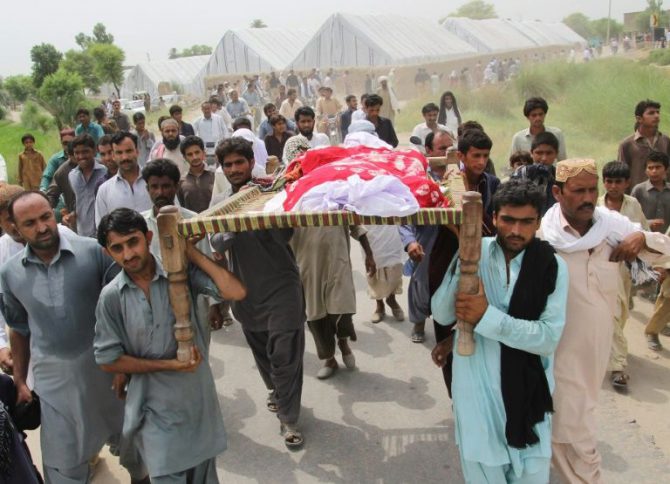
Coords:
pixel 580 23
pixel 100 36
pixel 476 9
pixel 19 88
pixel 83 64
pixel 108 64
pixel 653 7
pixel 198 49
pixel 599 28
pixel 45 59
pixel 258 24
pixel 61 94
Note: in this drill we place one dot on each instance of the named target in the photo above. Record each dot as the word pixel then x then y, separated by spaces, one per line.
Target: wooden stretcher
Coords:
pixel 244 212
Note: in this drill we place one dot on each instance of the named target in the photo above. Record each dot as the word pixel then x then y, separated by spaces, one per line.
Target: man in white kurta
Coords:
pixel 592 241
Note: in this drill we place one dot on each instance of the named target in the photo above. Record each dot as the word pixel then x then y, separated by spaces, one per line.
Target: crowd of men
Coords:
pixel 91 327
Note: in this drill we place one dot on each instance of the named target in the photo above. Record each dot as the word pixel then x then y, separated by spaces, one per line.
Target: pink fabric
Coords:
pixel 338 163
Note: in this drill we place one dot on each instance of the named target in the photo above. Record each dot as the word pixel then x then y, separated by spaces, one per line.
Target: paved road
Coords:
pixel 390 419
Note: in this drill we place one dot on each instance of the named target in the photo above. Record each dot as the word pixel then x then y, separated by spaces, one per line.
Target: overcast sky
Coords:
pixel 148 28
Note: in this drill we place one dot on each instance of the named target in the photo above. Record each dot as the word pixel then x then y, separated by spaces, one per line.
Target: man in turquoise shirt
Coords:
pixel 172 413
pixel 502 392
pixel 86 126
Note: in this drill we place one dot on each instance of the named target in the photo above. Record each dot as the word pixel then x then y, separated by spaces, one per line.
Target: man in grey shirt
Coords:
pixel 121 119
pixel 84 180
pixel 50 291
pixel 172 410
pixel 535 110
pixel 273 314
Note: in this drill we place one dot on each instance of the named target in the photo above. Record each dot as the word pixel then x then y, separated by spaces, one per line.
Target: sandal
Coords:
pixel 293 438
pixel 619 379
pixel 418 336
pixel 271 405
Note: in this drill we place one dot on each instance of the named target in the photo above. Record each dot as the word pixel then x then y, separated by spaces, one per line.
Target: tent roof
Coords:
pixel 347 40
pixel 182 70
pixel 540 32
pixel 489 35
pixel 255 50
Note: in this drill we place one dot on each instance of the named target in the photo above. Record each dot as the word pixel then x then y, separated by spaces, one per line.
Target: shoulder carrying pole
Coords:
pixel 470 248
pixel 173 255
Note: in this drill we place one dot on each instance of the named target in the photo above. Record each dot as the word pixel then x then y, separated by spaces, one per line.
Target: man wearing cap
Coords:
pixel 591 240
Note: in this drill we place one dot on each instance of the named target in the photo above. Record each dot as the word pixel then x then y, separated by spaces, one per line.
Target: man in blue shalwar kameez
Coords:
pixel 502 393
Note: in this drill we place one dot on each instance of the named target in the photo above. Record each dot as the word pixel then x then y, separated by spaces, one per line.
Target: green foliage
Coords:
pixel 580 23
pixel 653 7
pixel 100 36
pixel 33 118
pixel 10 144
pixel 19 88
pixel 592 103
pixel 45 59
pixel 82 63
pixel 108 64
pixel 61 95
pixel 198 49
pixel 258 24
pixel 660 57
pixel 599 27
pixel 476 9
pixel 588 28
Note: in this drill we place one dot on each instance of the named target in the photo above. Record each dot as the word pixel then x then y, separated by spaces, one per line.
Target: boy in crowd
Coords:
pixel 654 197
pixel 31 164
pixel 544 148
pixel 616 179
pixel 195 187
pixel 145 138
pixel 654 194
pixel 535 110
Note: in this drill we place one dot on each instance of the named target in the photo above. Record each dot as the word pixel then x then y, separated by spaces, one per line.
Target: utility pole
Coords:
pixel 609 20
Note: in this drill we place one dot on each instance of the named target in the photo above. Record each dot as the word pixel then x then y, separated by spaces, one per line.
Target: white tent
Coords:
pixel 489 35
pixel 255 51
pixel 159 77
pixel 547 34
pixel 346 40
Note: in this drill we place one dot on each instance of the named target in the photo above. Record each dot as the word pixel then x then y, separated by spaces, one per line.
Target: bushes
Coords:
pixel 660 57
pixel 35 119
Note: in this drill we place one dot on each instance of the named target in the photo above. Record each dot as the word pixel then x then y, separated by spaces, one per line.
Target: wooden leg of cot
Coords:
pixel 175 263
pixel 470 247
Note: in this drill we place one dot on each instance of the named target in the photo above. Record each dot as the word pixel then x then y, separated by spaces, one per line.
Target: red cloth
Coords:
pixel 337 163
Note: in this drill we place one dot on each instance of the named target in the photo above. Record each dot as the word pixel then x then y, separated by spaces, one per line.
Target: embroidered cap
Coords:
pixel 568 168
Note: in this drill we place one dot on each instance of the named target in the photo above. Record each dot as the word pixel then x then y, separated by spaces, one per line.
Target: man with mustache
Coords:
pixel 591 240
pixel 161 177
pixel 168 147
pixel 126 189
pixel 50 291
pixel 518 318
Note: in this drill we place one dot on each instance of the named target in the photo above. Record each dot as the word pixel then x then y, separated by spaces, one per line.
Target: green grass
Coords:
pixel 593 104
pixel 10 144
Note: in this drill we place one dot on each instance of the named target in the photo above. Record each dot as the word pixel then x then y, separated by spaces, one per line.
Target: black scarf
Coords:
pixel 525 389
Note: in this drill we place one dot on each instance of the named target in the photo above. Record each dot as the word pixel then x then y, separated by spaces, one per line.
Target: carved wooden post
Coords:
pixel 470 248
pixel 175 263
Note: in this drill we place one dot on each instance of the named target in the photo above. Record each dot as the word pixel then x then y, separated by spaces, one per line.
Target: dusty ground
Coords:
pixel 390 420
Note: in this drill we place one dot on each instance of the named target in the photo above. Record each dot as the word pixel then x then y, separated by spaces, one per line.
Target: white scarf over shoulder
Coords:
pixel 607 225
